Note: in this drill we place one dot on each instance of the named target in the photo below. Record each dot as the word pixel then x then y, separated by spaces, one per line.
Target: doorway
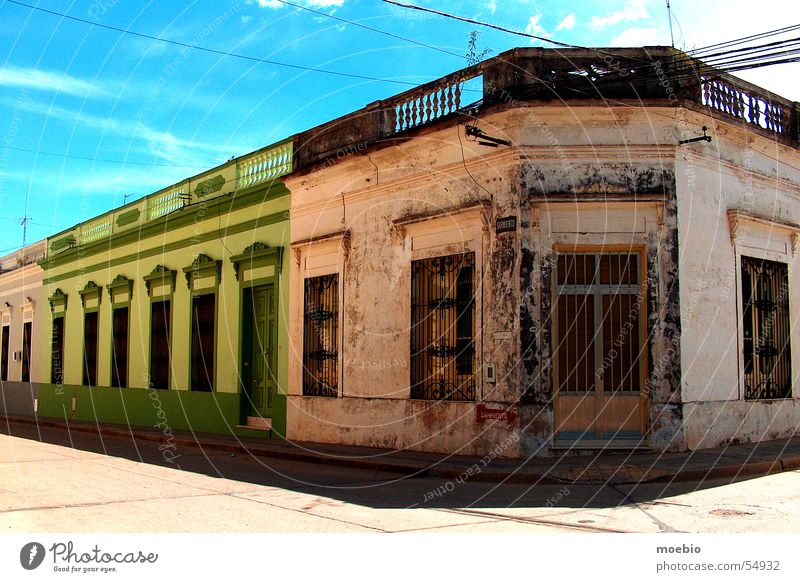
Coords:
pixel 259 350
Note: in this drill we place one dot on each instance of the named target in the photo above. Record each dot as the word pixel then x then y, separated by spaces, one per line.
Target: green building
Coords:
pixel 169 312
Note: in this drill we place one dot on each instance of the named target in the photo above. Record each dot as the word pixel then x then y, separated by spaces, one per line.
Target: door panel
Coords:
pixel 599 387
pixel 259 349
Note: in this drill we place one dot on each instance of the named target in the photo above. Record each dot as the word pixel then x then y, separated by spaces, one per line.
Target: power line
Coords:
pixel 214 51
pixel 365 27
pixel 744 39
pixel 557 43
pixel 479 23
pixel 104 160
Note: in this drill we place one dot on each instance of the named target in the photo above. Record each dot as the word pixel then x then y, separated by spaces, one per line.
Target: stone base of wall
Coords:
pixel 16 398
pixel 714 424
pixel 417 425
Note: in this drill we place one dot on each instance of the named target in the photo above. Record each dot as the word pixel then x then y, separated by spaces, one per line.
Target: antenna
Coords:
pixel 669 16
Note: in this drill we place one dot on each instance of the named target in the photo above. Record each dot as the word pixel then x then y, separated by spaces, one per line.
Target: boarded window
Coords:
pixel 27 330
pixel 765 329
pixel 203 342
pixel 57 352
pixel 321 336
pixel 443 328
pixel 119 348
pixel 5 354
pixel 159 344
pixel 598 318
pixel 90 349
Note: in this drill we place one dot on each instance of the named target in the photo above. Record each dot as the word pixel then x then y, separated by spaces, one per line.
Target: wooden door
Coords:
pixel 259 349
pixel 599 348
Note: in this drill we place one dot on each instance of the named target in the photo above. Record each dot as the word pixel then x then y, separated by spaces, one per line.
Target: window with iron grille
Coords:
pixel 765 329
pixel 321 336
pixel 443 328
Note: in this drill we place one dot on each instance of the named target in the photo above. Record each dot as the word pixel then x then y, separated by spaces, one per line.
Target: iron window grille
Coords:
pixel 765 327
pixel 321 336
pixel 443 328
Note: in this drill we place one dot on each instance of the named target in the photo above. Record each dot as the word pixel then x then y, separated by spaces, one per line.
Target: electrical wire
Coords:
pixel 370 28
pixel 214 51
pixel 104 160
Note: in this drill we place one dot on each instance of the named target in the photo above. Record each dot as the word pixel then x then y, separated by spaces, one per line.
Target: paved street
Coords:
pixel 82 482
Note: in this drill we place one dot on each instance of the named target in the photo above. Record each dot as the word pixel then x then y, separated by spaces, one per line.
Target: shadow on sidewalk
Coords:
pixel 373 488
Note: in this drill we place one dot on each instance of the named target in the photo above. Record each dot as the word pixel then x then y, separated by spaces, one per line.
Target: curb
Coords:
pixel 408 469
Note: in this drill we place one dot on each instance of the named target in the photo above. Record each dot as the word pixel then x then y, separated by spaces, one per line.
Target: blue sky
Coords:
pixel 89 115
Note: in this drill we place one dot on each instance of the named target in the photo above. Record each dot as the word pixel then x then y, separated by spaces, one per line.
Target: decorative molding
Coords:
pixel 118 284
pixel 89 291
pixel 160 275
pixel 342 237
pixel 57 299
pixel 202 266
pixel 738 218
pixel 128 217
pixel 256 255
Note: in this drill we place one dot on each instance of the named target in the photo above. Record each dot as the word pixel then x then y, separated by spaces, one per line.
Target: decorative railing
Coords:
pixel 264 165
pixel 747 105
pixel 428 103
pixel 95 229
pixel 164 203
pixel 256 168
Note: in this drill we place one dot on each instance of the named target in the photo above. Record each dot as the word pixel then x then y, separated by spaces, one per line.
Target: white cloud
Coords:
pixel 534 27
pixel 633 10
pixel 567 23
pixel 47 81
pixel 491 6
pixel 309 3
pixel 638 37
pixel 163 144
pixel 246 19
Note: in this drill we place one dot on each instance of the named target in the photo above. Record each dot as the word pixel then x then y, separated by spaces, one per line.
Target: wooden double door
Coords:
pixel 600 349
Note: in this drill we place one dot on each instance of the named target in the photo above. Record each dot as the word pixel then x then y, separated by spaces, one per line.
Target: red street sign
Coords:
pixel 485 413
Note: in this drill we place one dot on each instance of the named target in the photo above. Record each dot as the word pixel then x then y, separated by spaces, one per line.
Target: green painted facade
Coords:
pixel 220 232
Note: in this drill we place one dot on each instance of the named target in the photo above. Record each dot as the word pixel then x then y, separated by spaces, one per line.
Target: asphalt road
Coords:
pixel 81 482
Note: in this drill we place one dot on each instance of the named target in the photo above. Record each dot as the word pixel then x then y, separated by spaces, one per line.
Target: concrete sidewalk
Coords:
pixel 607 467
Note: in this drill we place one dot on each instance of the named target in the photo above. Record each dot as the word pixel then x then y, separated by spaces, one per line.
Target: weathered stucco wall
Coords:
pixel 739 171
pixel 363 212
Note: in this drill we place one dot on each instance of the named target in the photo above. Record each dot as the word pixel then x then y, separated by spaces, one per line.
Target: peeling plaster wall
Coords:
pixel 586 154
pixel 399 204
pixel 745 172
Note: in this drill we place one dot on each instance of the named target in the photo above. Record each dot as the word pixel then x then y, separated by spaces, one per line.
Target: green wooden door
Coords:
pixel 260 350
